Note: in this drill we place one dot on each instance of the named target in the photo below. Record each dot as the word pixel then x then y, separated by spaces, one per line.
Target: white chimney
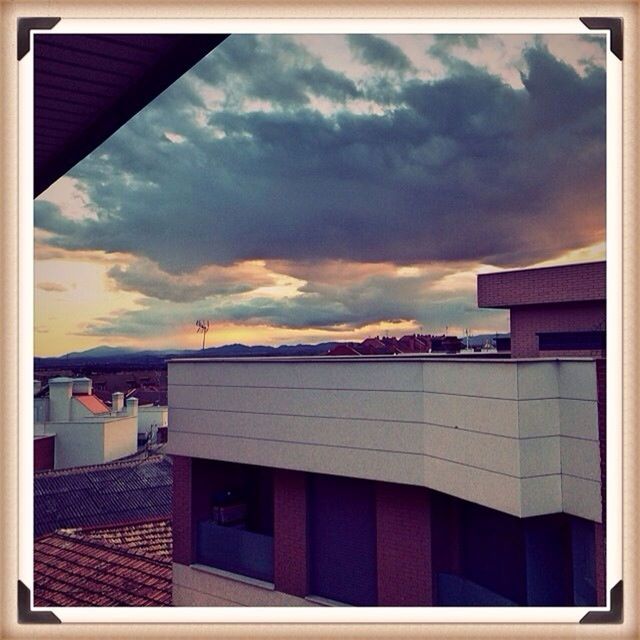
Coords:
pixel 60 392
pixel 132 407
pixel 117 401
pixel 82 385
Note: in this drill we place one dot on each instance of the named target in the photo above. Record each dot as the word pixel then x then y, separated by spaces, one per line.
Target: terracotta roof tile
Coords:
pixel 93 403
pixel 108 566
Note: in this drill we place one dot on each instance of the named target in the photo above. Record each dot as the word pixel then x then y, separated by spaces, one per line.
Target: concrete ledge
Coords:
pixel 205 587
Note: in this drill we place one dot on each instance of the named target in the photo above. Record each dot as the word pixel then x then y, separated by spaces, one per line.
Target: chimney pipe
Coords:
pixel 60 392
pixel 132 407
pixel 117 401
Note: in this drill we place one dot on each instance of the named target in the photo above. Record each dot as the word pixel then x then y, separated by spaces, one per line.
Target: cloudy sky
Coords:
pixel 310 188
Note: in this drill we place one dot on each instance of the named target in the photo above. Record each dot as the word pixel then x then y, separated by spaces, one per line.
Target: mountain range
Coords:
pixel 104 354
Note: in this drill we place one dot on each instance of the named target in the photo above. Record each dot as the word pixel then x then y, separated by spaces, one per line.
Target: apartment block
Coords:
pixel 389 480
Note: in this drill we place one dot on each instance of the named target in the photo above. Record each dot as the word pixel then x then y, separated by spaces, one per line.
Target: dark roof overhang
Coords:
pixel 87 86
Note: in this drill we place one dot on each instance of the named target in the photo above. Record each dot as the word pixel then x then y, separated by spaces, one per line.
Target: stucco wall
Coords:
pixel 120 438
pixel 152 416
pixel 77 443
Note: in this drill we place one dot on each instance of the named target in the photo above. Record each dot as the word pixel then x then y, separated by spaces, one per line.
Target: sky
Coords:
pixel 327 187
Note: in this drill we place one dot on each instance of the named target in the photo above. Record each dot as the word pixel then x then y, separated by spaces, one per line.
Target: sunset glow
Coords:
pixel 307 189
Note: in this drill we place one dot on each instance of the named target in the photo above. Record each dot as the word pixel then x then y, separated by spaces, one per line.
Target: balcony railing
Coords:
pixel 235 550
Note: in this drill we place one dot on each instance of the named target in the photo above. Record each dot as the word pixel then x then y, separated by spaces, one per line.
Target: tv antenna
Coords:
pixel 202 327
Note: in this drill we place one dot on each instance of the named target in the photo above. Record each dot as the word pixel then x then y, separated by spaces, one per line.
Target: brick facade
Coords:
pixel 527 321
pixel 182 520
pixel 564 283
pixel 403 519
pixel 290 532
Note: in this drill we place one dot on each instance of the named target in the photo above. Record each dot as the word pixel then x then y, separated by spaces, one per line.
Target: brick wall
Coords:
pixel 44 453
pixel 403 520
pixel 601 529
pixel 565 283
pixel 527 321
pixel 290 566
pixel 182 520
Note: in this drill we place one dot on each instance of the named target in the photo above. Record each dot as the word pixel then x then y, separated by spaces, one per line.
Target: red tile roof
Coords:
pixel 149 537
pixel 93 403
pixel 89 568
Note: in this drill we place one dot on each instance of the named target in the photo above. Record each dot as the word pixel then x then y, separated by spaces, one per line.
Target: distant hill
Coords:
pixel 99 352
pixel 126 356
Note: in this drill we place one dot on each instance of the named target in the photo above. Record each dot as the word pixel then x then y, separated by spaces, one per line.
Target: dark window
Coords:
pixel 342 539
pixel 233 504
pixel 572 340
pixel 493 551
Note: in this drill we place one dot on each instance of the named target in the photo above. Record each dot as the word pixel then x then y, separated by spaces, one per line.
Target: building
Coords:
pixel 553 310
pixel 153 422
pixel 431 481
pixel 73 427
pixel 411 343
pixel 377 480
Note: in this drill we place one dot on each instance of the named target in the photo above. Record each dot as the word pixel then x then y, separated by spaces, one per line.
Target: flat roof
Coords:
pixel 368 359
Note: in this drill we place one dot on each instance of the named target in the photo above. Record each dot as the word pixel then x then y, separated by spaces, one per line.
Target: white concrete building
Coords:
pixel 151 418
pixel 86 431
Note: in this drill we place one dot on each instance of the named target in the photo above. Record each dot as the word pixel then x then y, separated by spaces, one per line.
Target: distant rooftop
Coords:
pixel 93 403
pixel 120 492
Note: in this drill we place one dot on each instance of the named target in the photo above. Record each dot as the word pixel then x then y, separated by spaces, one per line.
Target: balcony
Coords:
pixel 235 550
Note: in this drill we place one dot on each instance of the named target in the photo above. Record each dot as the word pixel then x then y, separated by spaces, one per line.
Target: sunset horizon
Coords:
pixel 316 188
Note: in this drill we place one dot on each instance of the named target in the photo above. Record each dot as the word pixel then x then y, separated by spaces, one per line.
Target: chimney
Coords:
pixel 132 407
pixel 60 392
pixel 82 386
pixel 117 401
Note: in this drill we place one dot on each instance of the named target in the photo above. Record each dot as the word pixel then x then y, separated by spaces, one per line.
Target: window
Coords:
pixel 572 340
pixel 342 539
pixel 233 504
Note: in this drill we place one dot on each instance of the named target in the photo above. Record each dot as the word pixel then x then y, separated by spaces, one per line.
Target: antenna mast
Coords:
pixel 202 327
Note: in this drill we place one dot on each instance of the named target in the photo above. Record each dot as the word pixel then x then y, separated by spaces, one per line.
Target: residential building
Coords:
pixel 378 480
pixel 73 427
pixel 153 422
pixel 553 310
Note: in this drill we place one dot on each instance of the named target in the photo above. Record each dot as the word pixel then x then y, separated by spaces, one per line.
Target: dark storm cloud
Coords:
pixel 465 168
pixel 147 278
pixel 442 46
pixel 599 40
pixel 272 68
pixel 379 52
pixel 326 307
